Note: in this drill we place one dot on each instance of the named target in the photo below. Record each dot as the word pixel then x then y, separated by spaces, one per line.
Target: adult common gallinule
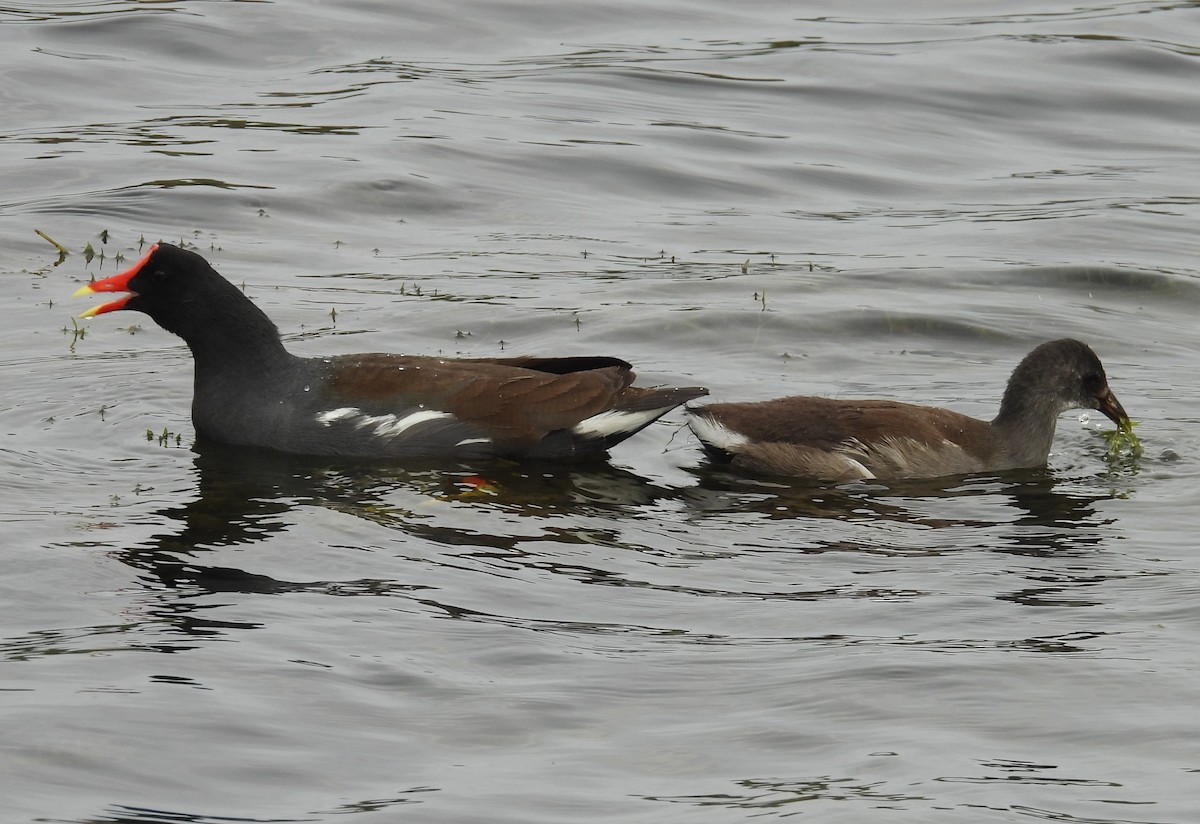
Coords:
pixel 843 440
pixel 249 390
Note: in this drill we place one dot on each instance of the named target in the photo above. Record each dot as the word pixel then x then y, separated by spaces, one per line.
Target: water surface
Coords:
pixel 868 199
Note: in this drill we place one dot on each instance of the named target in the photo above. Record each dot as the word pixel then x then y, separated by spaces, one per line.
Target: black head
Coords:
pixel 183 294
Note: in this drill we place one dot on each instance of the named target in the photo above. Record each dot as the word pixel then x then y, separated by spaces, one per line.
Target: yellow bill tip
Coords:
pixel 86 289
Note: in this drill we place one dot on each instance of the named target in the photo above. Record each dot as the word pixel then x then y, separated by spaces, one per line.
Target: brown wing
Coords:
pixel 505 398
pixel 826 423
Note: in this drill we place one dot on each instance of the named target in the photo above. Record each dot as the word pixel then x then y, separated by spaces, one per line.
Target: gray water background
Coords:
pixel 856 199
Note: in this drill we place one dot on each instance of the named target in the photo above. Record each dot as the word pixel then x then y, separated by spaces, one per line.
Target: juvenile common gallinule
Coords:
pixel 251 391
pixel 843 440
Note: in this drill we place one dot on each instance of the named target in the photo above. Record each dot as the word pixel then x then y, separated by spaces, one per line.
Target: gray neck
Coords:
pixel 1026 422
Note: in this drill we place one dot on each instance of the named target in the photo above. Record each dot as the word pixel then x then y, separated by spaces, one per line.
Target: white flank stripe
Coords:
pixel 386 426
pixel 716 434
pixel 614 422
pixel 326 418
pixel 469 441
pixel 389 426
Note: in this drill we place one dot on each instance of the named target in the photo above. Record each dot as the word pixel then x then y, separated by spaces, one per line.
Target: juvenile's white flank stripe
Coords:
pixel 716 434
pixel 326 418
pixel 614 422
pixel 867 475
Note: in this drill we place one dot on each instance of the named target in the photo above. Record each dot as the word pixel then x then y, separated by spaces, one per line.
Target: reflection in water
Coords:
pixel 245 496
pixel 1025 513
pixel 1038 517
pixel 529 522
